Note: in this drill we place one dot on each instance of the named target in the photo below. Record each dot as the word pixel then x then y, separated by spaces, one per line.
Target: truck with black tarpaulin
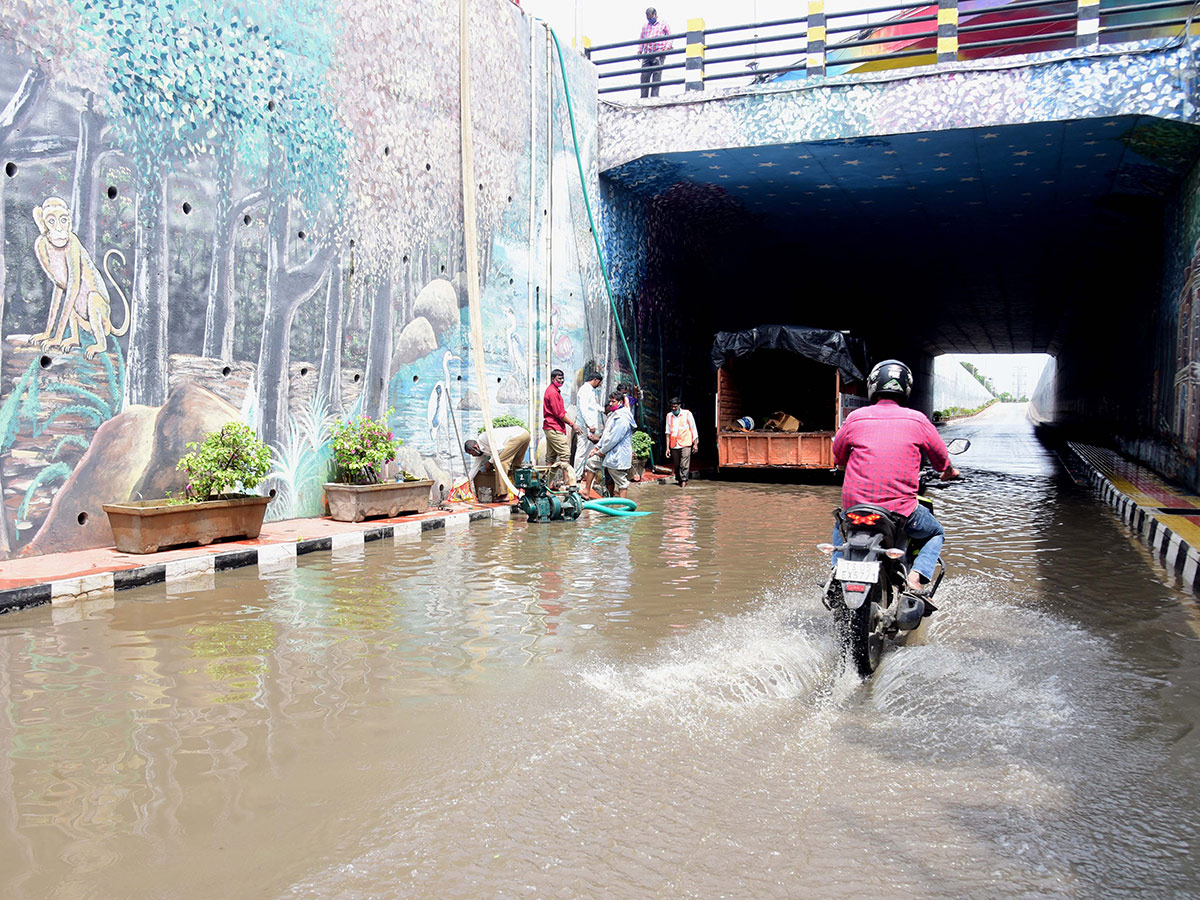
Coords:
pixel 794 384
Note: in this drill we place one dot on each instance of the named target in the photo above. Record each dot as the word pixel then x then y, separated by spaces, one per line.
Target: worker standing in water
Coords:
pixel 683 439
pixel 554 426
pixel 591 420
pixel 616 444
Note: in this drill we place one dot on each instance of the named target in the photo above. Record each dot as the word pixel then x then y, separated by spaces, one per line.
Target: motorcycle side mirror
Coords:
pixel 957 446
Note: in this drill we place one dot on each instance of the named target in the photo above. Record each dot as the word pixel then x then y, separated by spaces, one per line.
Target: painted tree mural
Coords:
pixel 403 183
pixel 283 179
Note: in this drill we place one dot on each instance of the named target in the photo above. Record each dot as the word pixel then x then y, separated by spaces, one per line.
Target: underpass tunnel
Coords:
pixel 1039 238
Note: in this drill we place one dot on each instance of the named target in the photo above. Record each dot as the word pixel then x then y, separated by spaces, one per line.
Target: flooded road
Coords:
pixel 623 709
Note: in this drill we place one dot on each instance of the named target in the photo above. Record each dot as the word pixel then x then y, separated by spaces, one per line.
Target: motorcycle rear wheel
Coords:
pixel 860 635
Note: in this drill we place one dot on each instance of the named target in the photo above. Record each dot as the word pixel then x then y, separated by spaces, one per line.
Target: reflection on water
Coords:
pixel 635 708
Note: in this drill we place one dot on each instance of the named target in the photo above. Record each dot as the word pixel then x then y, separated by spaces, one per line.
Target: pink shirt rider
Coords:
pixel 880 447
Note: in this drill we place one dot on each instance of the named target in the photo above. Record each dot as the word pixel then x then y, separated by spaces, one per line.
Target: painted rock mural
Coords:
pixel 216 211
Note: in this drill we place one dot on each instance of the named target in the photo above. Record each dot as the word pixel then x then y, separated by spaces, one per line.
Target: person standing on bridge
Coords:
pixel 652 51
pixel 880 448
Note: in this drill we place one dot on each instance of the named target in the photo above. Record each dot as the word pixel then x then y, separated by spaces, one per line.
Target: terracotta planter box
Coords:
pixel 355 502
pixel 147 526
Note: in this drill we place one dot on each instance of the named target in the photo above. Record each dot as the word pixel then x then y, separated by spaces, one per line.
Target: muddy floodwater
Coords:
pixel 622 709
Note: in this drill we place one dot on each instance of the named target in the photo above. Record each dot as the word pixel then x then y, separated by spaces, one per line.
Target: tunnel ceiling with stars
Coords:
pixel 988 199
pixel 1003 173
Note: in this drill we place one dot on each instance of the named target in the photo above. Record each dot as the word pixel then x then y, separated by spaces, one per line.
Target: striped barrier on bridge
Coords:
pixel 902 33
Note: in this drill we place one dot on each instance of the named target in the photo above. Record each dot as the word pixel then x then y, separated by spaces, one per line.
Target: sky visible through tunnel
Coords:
pixel 1014 373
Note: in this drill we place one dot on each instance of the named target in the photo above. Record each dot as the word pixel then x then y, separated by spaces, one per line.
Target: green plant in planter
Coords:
pixel 361 448
pixel 641 445
pixel 503 421
pixel 232 457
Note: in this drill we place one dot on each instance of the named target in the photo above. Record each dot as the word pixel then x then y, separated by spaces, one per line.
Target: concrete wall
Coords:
pixel 268 207
pixel 955 386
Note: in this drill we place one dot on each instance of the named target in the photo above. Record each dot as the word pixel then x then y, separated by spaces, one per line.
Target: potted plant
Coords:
pixel 364 453
pixel 228 460
pixel 641 453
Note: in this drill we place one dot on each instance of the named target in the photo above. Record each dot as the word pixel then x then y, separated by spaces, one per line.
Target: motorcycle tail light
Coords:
pixel 863 519
pixel 825 548
pixel 894 553
pixel 856 588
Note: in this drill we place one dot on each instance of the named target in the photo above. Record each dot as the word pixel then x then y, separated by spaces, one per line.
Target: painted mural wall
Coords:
pixel 213 210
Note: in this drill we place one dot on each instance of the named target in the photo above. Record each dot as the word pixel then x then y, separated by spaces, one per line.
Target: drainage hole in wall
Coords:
pixel 459 378
pixel 428 167
pixel 187 208
pixel 226 371
pixel 416 378
pixel 45 361
pixel 356 378
pixel 351 243
pixel 112 192
pixel 510 281
pixel 270 106
pixel 272 492
pixel 300 234
pixel 497 381
pixel 510 198
pixel 406 259
pixel 443 268
pixel 10 169
pixel 246 220
pixel 481 186
pixel 303 371
pixel 82 518
pixel 387 151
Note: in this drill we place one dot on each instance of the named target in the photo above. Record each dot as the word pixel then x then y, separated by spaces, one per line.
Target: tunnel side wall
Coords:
pixel 282 204
pixel 1170 437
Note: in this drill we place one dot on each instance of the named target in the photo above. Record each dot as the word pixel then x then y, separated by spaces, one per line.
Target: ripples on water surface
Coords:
pixel 639 708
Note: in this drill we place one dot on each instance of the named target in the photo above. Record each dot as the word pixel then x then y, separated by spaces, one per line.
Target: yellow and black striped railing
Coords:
pixel 929 33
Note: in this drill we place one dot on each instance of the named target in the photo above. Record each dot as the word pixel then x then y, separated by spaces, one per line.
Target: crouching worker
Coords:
pixel 616 444
pixel 513 441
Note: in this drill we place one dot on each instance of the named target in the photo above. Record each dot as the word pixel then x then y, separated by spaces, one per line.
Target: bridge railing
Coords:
pixel 837 41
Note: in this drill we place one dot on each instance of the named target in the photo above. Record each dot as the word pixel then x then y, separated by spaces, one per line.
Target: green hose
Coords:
pixel 596 231
pixel 614 506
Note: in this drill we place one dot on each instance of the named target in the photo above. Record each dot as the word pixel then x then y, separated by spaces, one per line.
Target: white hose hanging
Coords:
pixel 471 236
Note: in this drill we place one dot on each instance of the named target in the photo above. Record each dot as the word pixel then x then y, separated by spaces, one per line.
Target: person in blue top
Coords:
pixel 616 444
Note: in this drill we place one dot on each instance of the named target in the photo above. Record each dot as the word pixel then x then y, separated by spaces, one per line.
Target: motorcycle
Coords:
pixel 867 590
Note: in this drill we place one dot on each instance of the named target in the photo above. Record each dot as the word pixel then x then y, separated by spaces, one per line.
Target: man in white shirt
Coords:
pixel 591 420
pixel 682 440
pixel 513 441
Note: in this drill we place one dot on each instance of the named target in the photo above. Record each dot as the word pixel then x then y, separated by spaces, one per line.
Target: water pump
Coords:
pixel 541 503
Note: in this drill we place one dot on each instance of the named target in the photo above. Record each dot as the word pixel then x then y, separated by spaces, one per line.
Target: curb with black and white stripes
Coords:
pixel 1172 551
pixel 268 557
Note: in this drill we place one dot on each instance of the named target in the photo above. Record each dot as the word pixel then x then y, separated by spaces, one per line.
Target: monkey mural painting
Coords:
pixel 271 210
pixel 80 298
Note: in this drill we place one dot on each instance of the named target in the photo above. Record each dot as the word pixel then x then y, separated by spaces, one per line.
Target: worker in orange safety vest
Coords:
pixel 682 440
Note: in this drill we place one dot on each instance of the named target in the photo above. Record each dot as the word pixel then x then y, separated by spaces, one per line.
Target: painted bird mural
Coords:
pixel 438 412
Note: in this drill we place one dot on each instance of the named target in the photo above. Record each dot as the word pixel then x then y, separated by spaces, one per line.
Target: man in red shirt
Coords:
pixel 554 425
pixel 880 448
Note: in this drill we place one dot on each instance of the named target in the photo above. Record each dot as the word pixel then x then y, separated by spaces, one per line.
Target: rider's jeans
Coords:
pixel 921 525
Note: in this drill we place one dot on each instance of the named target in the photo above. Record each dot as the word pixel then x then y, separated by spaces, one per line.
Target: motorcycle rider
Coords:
pixel 879 446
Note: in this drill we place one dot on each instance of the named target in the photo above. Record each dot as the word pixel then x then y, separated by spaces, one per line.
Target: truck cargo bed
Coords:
pixel 755 449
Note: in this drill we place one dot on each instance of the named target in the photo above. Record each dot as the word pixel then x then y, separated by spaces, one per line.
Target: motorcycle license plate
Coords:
pixel 848 570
